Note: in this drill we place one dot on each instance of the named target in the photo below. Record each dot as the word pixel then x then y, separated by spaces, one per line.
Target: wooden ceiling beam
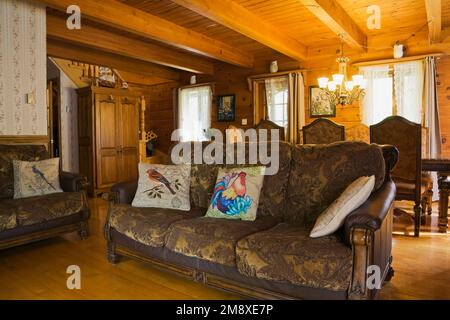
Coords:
pixel 236 17
pixel 94 37
pixel 335 17
pixel 434 18
pixel 127 18
pixel 64 50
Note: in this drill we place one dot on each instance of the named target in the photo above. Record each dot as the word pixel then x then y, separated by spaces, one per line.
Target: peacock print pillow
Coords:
pixel 163 186
pixel 236 193
pixel 36 178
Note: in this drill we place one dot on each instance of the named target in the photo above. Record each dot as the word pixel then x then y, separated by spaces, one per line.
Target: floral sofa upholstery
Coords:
pixel 36 218
pixel 272 257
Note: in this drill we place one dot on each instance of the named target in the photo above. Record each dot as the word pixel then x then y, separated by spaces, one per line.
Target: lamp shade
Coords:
pixel 323 82
pixel 331 85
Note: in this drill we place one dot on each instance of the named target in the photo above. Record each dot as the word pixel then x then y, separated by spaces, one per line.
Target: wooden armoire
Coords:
pixel 108 135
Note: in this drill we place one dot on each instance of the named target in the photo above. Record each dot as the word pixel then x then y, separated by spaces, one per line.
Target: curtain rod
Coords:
pixel 393 60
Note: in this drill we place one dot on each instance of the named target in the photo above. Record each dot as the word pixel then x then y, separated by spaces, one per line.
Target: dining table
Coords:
pixel 441 165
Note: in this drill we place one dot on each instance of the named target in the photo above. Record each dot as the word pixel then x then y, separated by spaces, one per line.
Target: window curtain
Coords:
pixel 377 103
pixel 408 83
pixel 277 100
pixel 296 106
pixel 432 109
pixel 194 113
pixel 431 122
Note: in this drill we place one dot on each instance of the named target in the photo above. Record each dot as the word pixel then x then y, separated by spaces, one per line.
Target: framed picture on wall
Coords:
pixel 226 110
pixel 319 107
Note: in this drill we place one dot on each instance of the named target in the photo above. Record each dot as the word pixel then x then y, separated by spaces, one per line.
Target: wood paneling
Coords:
pixel 144 24
pixel 443 72
pixel 337 19
pixel 238 18
pixel 109 41
pixel 69 51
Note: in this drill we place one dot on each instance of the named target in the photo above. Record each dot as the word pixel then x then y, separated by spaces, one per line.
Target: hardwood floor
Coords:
pixel 38 271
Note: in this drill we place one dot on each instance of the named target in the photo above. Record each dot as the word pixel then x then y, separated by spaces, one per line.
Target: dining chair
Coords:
pixel 269 125
pixel 323 131
pixel 406 136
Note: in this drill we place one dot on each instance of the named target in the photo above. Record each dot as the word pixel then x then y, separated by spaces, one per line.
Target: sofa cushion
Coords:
pixel 213 239
pixel 320 173
pixel 286 253
pixel 34 210
pixel 8 153
pixel 273 194
pixel 8 218
pixel 147 225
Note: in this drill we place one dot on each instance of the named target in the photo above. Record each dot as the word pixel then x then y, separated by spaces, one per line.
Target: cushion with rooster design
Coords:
pixel 36 178
pixel 163 186
pixel 236 193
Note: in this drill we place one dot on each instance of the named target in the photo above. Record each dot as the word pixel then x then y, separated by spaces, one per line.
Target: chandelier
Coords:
pixel 340 90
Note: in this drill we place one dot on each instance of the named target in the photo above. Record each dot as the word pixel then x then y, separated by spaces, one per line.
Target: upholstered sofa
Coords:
pixel 32 219
pixel 272 257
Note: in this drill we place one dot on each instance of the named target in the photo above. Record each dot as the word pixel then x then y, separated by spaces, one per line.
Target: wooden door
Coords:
pixel 129 141
pixel 107 140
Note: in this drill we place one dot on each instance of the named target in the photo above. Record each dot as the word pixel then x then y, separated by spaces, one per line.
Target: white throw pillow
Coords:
pixel 163 186
pixel 36 178
pixel 352 198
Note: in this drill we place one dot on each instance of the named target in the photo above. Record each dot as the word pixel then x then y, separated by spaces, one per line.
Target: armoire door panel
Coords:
pixel 107 121
pixel 129 116
pixel 130 165
pixel 130 122
pixel 109 169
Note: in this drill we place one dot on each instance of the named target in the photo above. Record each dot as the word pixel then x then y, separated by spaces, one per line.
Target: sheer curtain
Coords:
pixel 408 81
pixel 286 103
pixel 194 113
pixel 277 100
pixel 377 103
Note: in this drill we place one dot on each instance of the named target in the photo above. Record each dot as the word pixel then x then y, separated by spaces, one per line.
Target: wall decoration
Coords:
pixel 319 107
pixel 226 111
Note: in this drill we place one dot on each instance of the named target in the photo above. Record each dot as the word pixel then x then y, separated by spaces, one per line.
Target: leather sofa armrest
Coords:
pixel 124 192
pixel 72 182
pixel 372 213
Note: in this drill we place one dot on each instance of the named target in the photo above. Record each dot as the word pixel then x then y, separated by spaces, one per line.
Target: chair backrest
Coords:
pixel 323 131
pixel 406 136
pixel 358 132
pixel 268 125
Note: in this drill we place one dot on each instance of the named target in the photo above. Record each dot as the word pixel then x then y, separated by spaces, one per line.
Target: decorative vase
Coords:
pixel 274 66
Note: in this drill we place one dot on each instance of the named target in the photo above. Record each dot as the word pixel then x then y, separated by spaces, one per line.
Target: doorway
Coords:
pixel 54 117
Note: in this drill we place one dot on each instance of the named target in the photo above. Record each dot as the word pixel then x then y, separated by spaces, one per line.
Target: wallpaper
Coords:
pixel 22 68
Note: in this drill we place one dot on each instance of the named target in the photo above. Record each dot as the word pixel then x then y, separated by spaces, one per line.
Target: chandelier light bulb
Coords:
pixel 323 82
pixel 358 79
pixel 332 86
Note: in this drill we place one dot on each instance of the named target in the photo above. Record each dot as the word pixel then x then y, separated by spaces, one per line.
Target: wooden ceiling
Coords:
pixel 260 28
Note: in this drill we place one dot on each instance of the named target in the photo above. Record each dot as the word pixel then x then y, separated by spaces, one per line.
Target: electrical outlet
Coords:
pixel 244 122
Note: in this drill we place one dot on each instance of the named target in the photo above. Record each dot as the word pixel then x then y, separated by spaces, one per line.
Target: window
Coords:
pixel 404 88
pixel 194 113
pixel 277 100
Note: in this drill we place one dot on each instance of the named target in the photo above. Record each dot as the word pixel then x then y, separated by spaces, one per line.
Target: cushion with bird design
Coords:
pixel 36 178
pixel 236 193
pixel 163 186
